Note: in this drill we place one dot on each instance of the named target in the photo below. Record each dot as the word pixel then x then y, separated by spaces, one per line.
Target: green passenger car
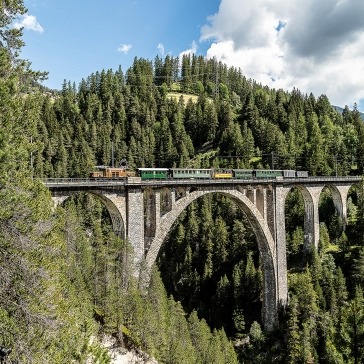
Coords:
pixel 191 173
pixel 153 173
pixel 268 173
pixel 243 173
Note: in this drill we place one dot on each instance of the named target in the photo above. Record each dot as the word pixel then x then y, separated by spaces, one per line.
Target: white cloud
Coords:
pixel 124 48
pixel 315 46
pixel 29 22
pixel 192 50
pixel 161 48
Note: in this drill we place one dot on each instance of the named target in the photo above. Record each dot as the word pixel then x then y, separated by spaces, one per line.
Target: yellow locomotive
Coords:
pixel 221 173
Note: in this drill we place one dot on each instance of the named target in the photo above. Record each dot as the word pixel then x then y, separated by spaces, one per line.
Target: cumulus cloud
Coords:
pixel 161 48
pixel 191 50
pixel 124 48
pixel 315 46
pixel 29 22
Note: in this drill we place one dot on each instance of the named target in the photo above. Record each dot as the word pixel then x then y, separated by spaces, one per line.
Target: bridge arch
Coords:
pixel 116 208
pixel 310 197
pixel 262 201
pixel 339 196
pixel 113 204
pixel 266 245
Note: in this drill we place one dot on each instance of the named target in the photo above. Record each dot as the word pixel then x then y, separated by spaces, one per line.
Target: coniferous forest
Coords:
pixel 63 281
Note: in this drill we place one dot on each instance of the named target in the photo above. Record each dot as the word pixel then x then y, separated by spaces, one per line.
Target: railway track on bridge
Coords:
pixel 54 183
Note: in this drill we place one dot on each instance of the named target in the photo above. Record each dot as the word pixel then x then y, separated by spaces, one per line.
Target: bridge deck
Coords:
pixel 71 183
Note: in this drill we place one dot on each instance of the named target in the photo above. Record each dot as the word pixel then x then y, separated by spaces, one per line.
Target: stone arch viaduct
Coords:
pixel 143 212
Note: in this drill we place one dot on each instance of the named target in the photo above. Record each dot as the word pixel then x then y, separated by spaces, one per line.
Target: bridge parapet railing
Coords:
pixel 318 179
pixel 104 182
pixel 255 181
pixel 69 182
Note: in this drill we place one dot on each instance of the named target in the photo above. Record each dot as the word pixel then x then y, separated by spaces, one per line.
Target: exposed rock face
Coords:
pixel 121 355
pixel 128 357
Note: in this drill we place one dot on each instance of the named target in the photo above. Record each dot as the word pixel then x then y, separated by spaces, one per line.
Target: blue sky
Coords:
pixel 77 38
pixel 314 46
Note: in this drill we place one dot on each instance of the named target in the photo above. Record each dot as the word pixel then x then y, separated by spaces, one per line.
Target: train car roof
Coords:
pixel 190 169
pixel 110 167
pixel 153 169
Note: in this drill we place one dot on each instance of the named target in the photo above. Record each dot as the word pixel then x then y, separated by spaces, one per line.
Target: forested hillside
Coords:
pixel 64 281
pixel 235 121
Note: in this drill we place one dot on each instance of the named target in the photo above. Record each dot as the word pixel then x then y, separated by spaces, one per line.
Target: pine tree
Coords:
pixel 315 155
pixel 293 335
pixel 360 211
pixel 227 349
pixel 200 335
pixel 166 149
pixel 223 304
pixel 331 351
pixel 352 330
pixel 215 355
pixel 158 324
pixel 220 243
pixel 357 270
pixel 179 346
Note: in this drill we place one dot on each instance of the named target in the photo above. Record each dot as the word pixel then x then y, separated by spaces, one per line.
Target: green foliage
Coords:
pixel 293 335
pixel 37 300
pixel 148 127
pixel 196 263
pixel 99 355
pixel 158 325
pixel 63 279
pixel 357 270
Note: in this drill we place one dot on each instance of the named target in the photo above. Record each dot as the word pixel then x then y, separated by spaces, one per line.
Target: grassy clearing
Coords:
pixel 186 97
